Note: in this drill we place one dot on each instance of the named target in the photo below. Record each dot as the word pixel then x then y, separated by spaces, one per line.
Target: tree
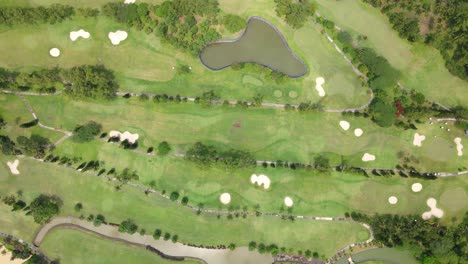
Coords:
pixel 234 23
pixel 174 238
pixel 252 245
pixel 2 122
pixel 78 207
pixel 35 146
pixel 185 200
pixel 322 163
pixel 99 220
pixel 88 81
pixel 174 196
pixel 7 146
pixel 232 246
pixel 167 236
pixel 128 226
pixel 157 234
pixel 164 148
pixel 44 207
pixel 87 132
pixel 295 13
pixel 383 114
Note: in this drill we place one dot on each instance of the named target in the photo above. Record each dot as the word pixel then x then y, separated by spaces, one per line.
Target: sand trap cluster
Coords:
pixel 129 2
pixel 288 201
pixel 437 212
pixel 368 157
pixel 131 138
pixel 318 86
pixel 54 52
pixel 225 198
pixel 117 37
pixel 418 139
pixel 14 167
pixel 459 146
pixel 416 187
pixel 344 125
pixel 392 200
pixel 358 132
pixel 74 35
pixel 260 179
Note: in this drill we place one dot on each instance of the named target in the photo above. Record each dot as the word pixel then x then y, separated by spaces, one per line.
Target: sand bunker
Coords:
pixel 225 198
pixel 260 179
pixel 131 138
pixel 459 146
pixel 344 125
pixel 368 157
pixel 14 167
pixel 129 2
pixel 6 259
pixel 392 200
pixel 74 35
pixel 418 139
pixel 358 132
pixel 288 201
pixel 54 52
pixel 318 86
pixel 117 37
pixel 437 212
pixel 416 187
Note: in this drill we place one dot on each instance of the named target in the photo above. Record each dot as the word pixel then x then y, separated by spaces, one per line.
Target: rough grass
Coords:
pixel 61 244
pixel 15 113
pixel 150 212
pixel 422 67
pixel 268 133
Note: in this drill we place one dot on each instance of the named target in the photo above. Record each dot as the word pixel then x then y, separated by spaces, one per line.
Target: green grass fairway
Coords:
pixel 329 194
pixel 268 133
pixel 61 244
pixel 143 64
pixel 150 212
pixel 422 67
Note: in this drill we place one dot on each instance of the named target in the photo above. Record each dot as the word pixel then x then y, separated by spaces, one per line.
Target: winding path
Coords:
pixel 31 110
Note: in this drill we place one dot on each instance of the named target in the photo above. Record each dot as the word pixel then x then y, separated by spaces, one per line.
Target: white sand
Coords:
pixel 54 52
pixel 358 132
pixel 74 35
pixel 416 187
pixel 225 198
pixel 129 2
pixel 6 259
pixel 418 139
pixel 459 146
pixel 288 201
pixel 260 179
pixel 117 37
pixel 392 200
pixel 437 212
pixel 131 138
pixel 318 86
pixel 368 157
pixel 14 167
pixel 344 125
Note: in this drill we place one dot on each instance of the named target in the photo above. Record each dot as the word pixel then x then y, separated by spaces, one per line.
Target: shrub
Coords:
pixel 86 132
pixel 128 226
pixel 234 23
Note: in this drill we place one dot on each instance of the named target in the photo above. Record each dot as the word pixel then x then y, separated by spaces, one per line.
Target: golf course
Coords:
pixel 219 131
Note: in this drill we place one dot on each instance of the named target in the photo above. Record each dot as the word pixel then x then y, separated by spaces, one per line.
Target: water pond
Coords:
pixel 260 43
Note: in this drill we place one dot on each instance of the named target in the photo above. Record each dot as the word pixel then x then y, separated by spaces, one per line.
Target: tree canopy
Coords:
pixel 90 81
pixel 44 207
pixel 86 132
pixel 234 23
pixel 35 145
pixel 295 13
